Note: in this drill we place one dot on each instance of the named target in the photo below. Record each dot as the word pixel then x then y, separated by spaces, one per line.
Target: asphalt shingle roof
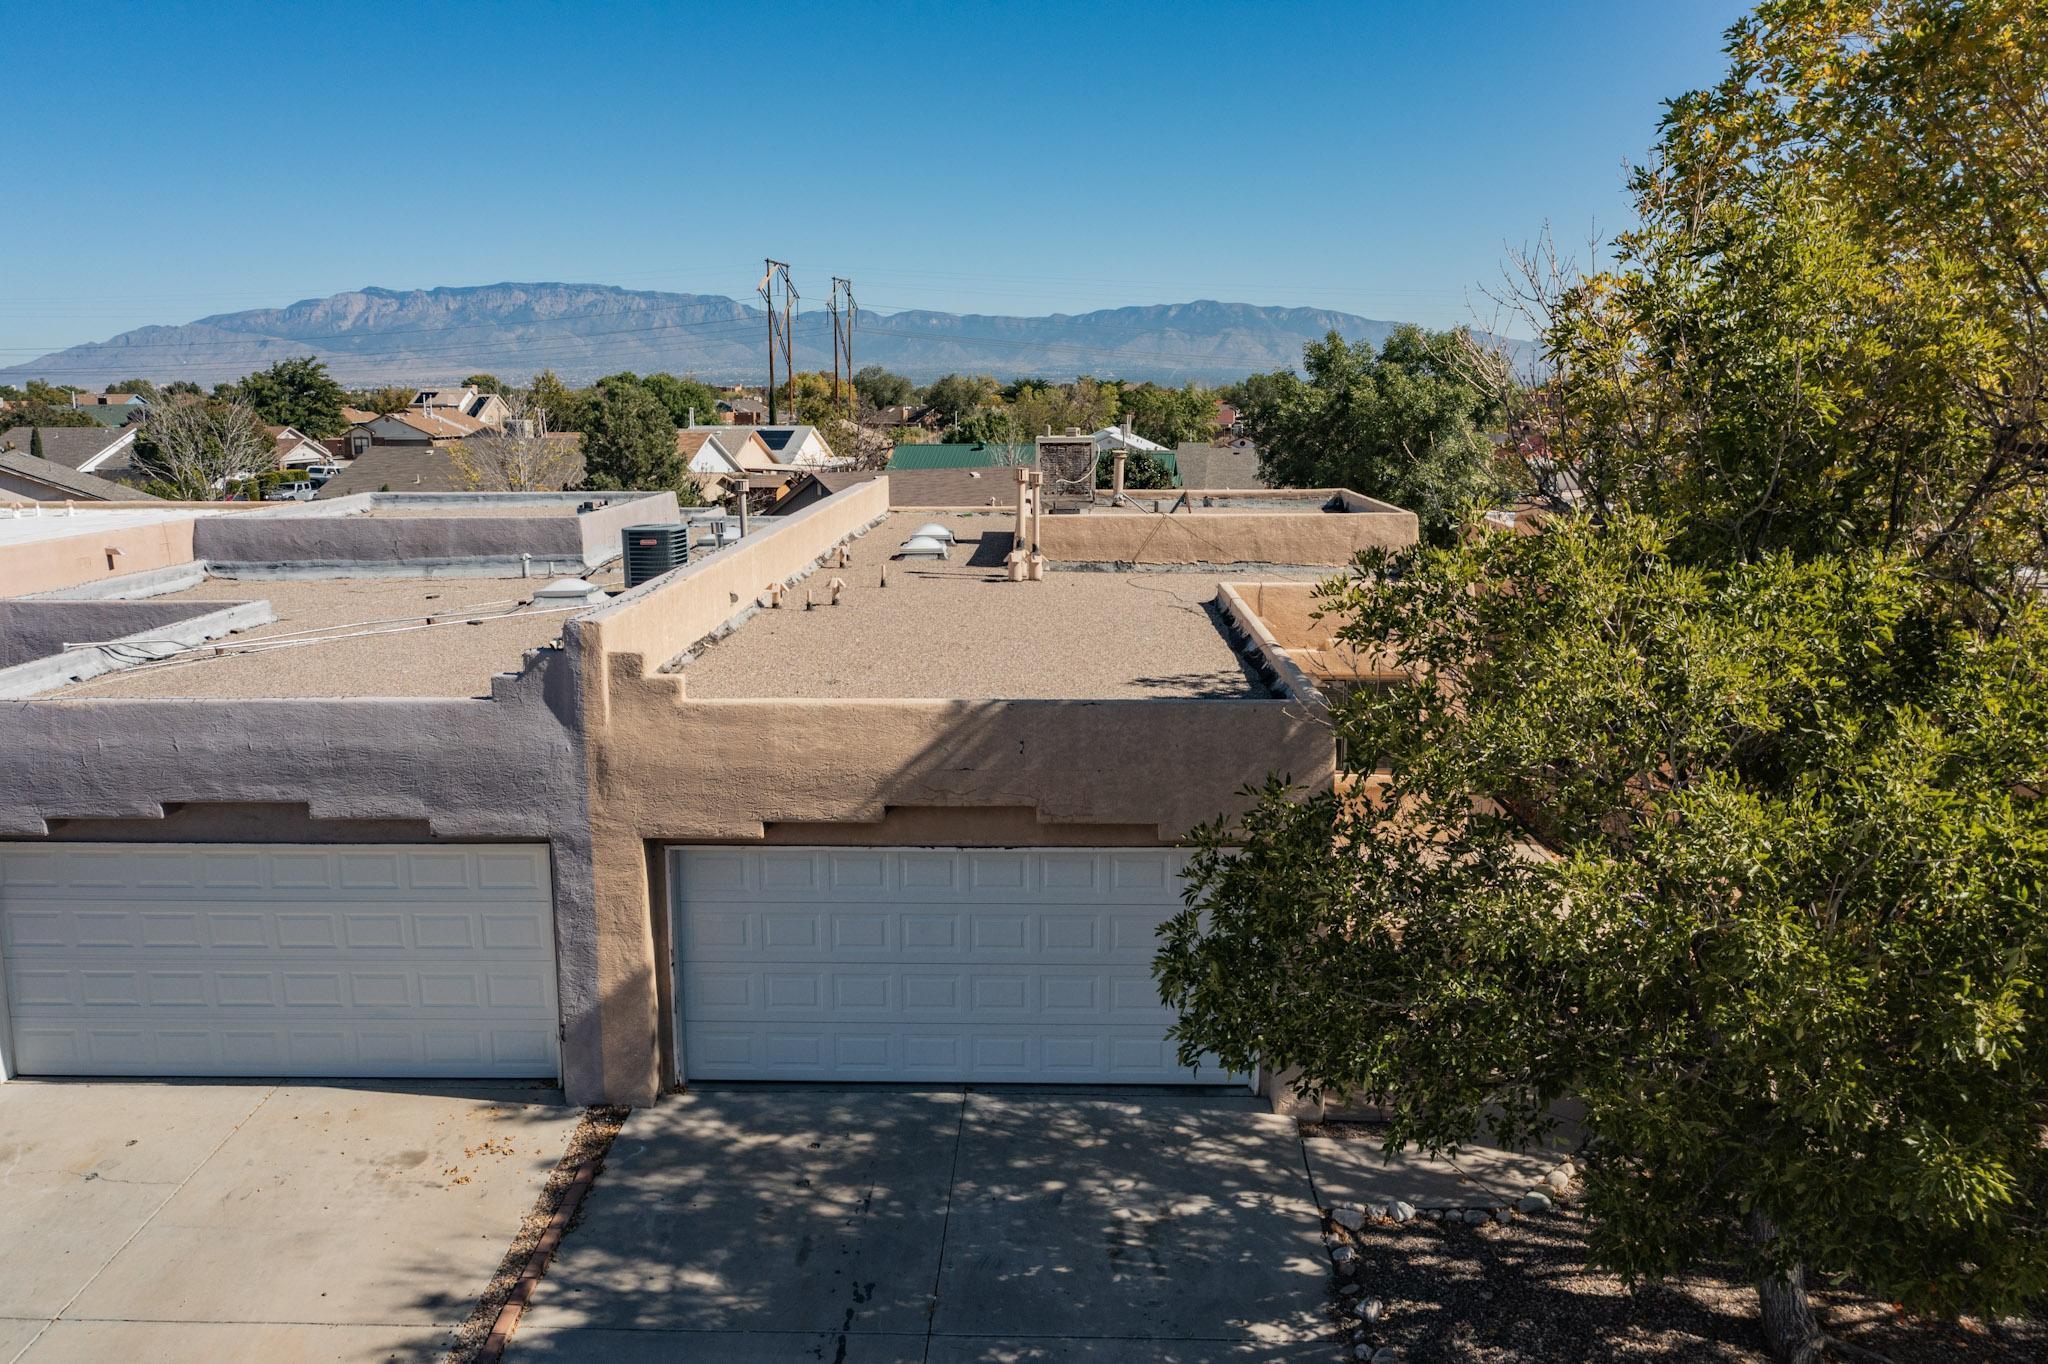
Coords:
pixel 66 482
pixel 411 469
pixel 70 446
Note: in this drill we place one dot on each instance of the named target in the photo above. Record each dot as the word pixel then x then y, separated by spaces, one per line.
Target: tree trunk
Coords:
pixel 1791 1332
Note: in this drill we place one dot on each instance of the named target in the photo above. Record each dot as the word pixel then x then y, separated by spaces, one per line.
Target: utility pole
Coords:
pixel 779 329
pixel 843 315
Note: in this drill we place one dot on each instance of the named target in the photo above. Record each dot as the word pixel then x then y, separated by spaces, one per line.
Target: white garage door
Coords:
pixel 925 964
pixel 322 960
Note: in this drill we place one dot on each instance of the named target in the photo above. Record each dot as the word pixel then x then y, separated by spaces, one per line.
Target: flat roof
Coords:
pixel 958 629
pixel 349 638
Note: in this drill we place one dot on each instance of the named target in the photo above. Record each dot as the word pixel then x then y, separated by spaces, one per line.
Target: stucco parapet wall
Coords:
pixel 1289 676
pixel 1287 627
pixel 726 768
pixel 642 629
pixel 422 544
pixel 1211 536
pixel 499 768
pixel 50 564
pixel 48 644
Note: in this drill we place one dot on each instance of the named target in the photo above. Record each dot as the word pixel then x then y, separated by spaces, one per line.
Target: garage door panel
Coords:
pixel 401 927
pixel 303 960
pixel 1094 876
pixel 1017 931
pixel 869 994
pixel 950 965
pixel 210 874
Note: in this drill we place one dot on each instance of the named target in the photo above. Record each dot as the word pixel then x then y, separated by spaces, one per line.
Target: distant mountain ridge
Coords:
pixel 582 331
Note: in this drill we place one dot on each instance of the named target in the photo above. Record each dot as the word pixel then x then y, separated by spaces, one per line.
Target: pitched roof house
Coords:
pixel 486 408
pixel 414 426
pixel 88 449
pixel 800 446
pixel 296 449
pixel 25 478
pixel 424 469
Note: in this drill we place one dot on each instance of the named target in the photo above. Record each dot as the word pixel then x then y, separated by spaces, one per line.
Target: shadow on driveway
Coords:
pixel 814 1223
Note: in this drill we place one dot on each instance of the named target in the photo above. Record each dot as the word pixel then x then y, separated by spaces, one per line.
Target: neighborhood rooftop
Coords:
pixel 338 637
pixel 958 628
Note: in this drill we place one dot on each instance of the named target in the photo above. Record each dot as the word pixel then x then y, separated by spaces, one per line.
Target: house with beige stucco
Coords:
pixel 417 786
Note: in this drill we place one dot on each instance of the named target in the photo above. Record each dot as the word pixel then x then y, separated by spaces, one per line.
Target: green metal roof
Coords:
pixel 961 456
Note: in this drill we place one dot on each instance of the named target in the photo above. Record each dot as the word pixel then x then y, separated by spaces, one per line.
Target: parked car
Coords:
pixel 300 491
pixel 318 474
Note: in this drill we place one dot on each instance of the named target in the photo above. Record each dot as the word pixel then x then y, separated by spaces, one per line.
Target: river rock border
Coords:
pixel 1360 1313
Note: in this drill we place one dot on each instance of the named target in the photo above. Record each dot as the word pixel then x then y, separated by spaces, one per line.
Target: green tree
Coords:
pixel 55 395
pixel 879 388
pixel 958 396
pixel 1783 945
pixel 382 400
pixel 568 409
pixel 629 441
pixel 1830 325
pixel 1083 405
pixel 684 399
pixel 1403 423
pixel 142 387
pixel 486 383
pixel 1143 471
pixel 1716 806
pixel 35 441
pixel 297 393
pixel 1170 416
pixel 181 388
pixel 27 412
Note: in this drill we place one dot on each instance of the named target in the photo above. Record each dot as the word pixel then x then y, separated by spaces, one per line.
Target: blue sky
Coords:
pixel 1374 157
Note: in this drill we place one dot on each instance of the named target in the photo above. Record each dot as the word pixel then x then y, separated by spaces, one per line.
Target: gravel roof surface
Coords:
pixel 1523 1293
pixel 959 629
pixel 450 659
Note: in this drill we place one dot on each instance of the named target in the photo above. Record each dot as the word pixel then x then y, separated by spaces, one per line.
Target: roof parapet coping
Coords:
pixel 84 659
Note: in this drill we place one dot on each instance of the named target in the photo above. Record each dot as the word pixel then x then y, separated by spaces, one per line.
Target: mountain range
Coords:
pixel 581 331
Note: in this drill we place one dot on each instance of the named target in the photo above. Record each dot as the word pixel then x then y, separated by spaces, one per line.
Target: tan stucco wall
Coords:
pixel 1280 616
pixel 1223 537
pixel 46 565
pixel 656 621
pixel 667 768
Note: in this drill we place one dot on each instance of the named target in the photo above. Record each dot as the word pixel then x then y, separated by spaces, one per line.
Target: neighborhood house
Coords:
pixel 400 784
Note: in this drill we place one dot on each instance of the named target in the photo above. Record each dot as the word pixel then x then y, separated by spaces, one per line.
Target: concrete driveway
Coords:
pixel 195 1222
pixel 877 1224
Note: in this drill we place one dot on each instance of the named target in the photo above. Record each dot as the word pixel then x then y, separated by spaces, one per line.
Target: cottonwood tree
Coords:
pixel 1717 806
pixel 384 399
pixel 1750 862
pixel 879 387
pixel 1403 422
pixel 1831 324
pixel 524 455
pixel 194 451
pixel 1169 416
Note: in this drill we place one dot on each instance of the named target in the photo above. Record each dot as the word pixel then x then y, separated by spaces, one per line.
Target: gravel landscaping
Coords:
pixel 1488 1286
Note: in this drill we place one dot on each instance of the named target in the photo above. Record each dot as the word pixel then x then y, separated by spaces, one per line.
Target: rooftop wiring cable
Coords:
pixel 215 651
